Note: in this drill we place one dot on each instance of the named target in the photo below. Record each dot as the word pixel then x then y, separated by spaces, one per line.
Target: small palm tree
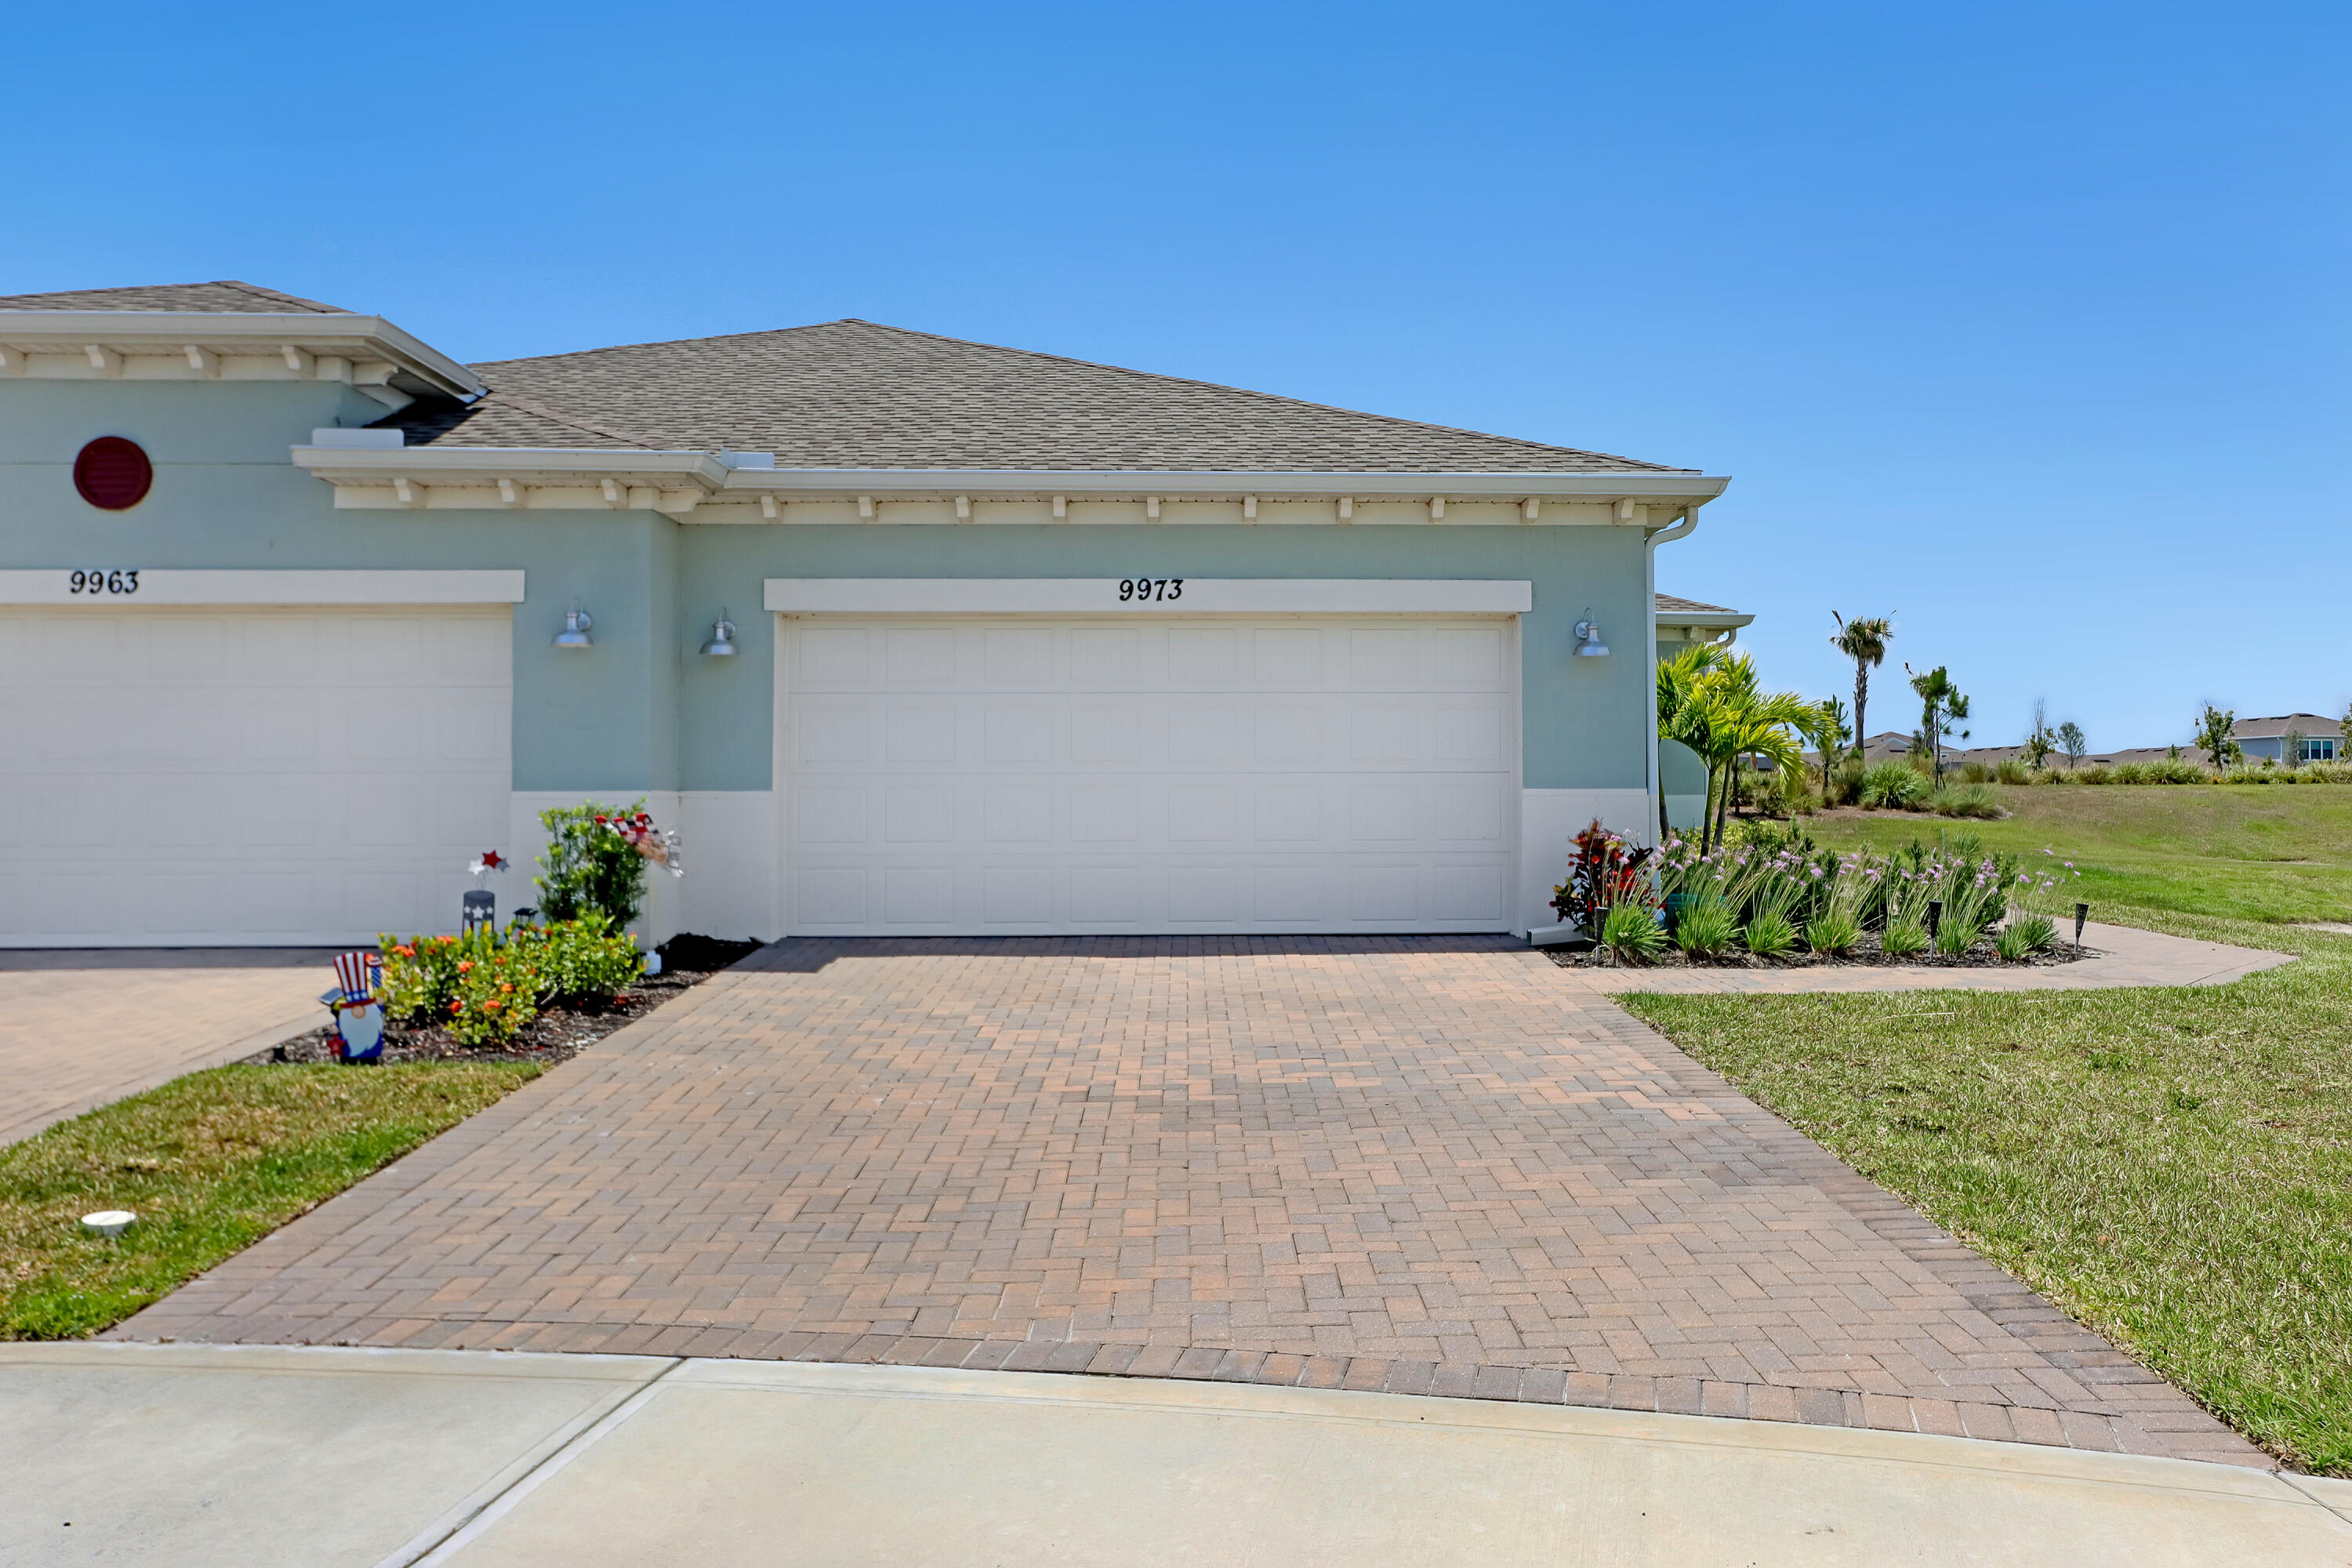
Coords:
pixel 1942 707
pixel 1679 680
pixel 1725 715
pixel 1863 640
pixel 1829 732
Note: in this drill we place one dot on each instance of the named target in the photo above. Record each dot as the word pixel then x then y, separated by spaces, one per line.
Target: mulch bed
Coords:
pixel 557 1035
pixel 1865 955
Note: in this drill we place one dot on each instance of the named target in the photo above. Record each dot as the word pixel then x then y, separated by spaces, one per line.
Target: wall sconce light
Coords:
pixel 1588 640
pixel 575 630
pixel 722 638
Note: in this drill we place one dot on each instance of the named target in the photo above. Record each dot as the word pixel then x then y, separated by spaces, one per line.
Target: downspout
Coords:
pixel 1650 653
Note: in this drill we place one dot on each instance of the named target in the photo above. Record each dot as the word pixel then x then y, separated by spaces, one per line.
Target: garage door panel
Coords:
pixel 254 774
pixel 1103 657
pixel 1202 657
pixel 974 775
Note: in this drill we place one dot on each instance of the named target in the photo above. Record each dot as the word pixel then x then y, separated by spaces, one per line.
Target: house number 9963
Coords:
pixel 1144 590
pixel 103 582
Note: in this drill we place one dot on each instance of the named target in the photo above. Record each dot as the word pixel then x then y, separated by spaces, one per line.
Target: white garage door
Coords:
pixel 178 777
pixel 999 776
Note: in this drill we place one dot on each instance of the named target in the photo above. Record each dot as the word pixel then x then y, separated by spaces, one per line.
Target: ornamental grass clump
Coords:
pixel 1893 786
pixel 1631 933
pixel 1708 927
pixel 1903 937
pixel 2024 936
pixel 1965 800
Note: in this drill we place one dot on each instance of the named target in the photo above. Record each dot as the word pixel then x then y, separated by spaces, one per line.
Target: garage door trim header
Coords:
pixel 1101 595
pixel 56 586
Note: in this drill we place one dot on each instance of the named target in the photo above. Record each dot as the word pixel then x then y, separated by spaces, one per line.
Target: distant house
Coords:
pixel 1682 777
pixel 2261 738
pixel 1682 622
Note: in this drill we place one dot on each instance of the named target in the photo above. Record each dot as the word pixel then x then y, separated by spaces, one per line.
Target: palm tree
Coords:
pixel 1723 713
pixel 1942 707
pixel 1679 680
pixel 1828 732
pixel 1863 640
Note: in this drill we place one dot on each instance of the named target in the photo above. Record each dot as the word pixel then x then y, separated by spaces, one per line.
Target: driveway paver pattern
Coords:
pixel 1416 1165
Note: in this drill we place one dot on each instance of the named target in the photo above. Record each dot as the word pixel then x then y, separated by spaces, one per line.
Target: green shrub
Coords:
pixel 2134 773
pixel 2011 945
pixel 1893 785
pixel 2012 771
pixel 1903 937
pixel 420 975
pixel 588 865
pixel 1770 933
pixel 582 962
pixel 1975 774
pixel 1965 800
pixel 1631 931
pixel 2097 774
pixel 2179 771
pixel 1834 932
pixel 497 994
pixel 1845 783
pixel 1707 928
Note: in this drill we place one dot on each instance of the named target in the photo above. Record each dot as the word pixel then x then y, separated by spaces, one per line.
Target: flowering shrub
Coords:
pixel 497 994
pixel 596 857
pixel 581 962
pixel 420 975
pixel 1606 871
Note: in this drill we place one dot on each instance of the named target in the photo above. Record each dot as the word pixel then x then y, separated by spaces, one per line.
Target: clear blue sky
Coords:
pixel 2026 324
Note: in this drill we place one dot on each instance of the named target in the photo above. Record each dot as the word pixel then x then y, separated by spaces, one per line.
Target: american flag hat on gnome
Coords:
pixel 359 974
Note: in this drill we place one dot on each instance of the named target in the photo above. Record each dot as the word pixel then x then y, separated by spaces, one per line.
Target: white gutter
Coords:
pixel 1654 829
pixel 1678 488
pixel 170 330
pixel 427 462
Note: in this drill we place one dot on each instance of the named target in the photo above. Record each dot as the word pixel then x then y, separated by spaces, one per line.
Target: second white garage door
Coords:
pixel 1004 776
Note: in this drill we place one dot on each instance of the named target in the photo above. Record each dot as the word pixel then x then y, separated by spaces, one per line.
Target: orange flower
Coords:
pixel 464 964
pixel 492 1005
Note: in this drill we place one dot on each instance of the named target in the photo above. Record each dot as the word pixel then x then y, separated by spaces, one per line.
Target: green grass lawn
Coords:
pixel 211 1163
pixel 2174 1167
pixel 2239 851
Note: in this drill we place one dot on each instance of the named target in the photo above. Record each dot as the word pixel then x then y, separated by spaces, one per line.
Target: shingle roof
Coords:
pixel 1668 603
pixel 227 295
pixel 856 395
pixel 2310 724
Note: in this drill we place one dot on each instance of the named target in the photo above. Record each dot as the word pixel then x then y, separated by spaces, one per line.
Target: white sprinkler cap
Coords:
pixel 109 1222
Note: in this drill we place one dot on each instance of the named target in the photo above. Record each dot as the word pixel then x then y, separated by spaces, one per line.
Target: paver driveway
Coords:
pixel 1419 1164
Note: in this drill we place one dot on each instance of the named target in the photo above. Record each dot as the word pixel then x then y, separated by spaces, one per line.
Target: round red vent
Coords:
pixel 113 474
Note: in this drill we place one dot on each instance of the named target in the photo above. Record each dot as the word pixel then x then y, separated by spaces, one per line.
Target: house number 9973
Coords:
pixel 101 582
pixel 1144 590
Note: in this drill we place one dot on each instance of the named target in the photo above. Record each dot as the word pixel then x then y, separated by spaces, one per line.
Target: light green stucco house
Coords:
pixel 906 635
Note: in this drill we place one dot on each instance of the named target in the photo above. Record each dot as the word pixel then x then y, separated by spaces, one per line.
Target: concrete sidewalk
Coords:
pixel 201 1455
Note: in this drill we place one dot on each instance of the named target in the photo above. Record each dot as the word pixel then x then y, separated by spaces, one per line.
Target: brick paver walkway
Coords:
pixel 79 1029
pixel 1425 1165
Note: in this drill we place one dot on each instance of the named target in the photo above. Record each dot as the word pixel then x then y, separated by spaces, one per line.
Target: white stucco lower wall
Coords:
pixel 1549 820
pixel 727 842
pixel 731 868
